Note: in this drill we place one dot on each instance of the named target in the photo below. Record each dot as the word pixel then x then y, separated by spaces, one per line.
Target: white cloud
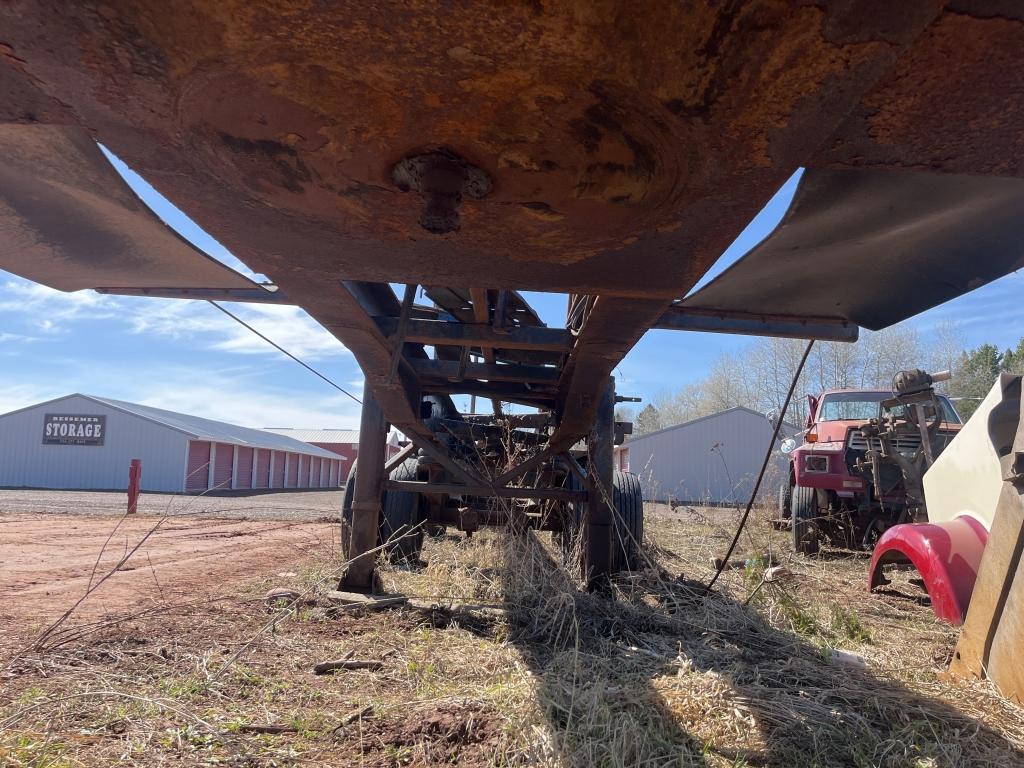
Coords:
pixel 290 327
pixel 12 338
pixel 46 308
pixel 253 407
pixel 20 395
pixel 51 311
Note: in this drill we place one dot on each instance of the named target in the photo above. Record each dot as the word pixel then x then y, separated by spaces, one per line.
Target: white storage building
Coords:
pixel 86 442
pixel 711 460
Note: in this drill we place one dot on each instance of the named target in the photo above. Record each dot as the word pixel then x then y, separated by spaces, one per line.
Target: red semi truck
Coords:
pixel 856 469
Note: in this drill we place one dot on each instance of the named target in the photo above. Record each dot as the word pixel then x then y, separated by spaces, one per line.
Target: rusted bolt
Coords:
pixel 443 178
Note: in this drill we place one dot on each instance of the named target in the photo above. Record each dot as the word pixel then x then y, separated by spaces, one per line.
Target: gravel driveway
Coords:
pixel 283 505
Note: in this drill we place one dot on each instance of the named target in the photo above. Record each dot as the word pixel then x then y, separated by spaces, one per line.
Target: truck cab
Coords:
pixel 855 470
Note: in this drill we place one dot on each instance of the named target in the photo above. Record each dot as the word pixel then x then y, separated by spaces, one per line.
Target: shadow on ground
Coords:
pixel 661 674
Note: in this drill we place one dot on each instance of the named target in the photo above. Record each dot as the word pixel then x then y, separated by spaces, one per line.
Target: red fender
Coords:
pixel 947 555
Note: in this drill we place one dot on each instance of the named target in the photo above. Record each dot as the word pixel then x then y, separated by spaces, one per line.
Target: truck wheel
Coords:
pixel 399 512
pixel 629 521
pixel 804 512
pixel 785 511
pixel 569 539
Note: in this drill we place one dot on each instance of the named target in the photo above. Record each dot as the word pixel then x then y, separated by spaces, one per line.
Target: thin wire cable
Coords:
pixel 284 351
pixel 764 467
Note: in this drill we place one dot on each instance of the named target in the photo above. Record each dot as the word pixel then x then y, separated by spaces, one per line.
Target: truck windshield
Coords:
pixel 861 406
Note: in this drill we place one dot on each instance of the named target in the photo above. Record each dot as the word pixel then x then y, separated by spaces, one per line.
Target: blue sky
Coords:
pixel 189 357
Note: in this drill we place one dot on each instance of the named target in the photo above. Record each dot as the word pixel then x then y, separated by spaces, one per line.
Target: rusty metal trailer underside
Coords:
pixel 607 150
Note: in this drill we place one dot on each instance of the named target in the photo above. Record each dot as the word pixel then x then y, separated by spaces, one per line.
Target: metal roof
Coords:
pixel 318 435
pixel 699 419
pixel 204 429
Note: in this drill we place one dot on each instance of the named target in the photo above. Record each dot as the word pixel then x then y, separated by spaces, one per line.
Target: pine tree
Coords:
pixel 649 420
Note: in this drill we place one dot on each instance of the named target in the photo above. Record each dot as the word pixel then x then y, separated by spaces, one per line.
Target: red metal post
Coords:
pixel 134 479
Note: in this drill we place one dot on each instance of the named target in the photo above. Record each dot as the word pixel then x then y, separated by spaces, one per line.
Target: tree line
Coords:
pixel 758 375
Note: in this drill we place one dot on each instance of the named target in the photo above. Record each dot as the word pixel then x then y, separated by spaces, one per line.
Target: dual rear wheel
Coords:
pixel 399 515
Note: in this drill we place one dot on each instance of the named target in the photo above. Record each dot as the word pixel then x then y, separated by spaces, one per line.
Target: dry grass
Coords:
pixel 503 660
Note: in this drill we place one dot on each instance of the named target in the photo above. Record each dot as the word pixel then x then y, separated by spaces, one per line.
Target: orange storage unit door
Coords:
pixel 263 468
pixel 223 462
pixel 314 472
pixel 278 479
pixel 197 469
pixel 293 471
pixel 243 471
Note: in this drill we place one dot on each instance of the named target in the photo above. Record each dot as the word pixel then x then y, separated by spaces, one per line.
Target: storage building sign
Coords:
pixel 73 429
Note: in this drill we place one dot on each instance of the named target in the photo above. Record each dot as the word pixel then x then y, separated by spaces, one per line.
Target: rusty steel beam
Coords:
pixel 398 339
pixel 399 458
pixel 575 468
pixel 448 370
pixel 505 391
pixel 514 420
pixel 482 316
pixel 501 492
pixel 613 326
pixel 243 295
pixel 523 467
pixel 678 318
pixel 440 333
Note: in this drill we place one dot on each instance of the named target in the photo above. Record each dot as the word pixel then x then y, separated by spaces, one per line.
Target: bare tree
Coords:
pixel 759 375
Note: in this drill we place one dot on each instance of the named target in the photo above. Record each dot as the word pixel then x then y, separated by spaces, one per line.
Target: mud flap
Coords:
pixel 947 555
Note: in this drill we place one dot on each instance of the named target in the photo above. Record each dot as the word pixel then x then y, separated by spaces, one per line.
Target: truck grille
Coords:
pixel 905 444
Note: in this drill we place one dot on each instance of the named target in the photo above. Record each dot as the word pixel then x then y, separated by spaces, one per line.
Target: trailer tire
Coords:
pixel 804 512
pixel 399 512
pixel 629 522
pixel 570 539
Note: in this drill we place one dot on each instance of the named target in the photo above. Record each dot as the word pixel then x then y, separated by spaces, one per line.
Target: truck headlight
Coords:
pixel 816 463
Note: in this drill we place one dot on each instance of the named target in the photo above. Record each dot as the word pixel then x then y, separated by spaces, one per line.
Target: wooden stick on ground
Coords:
pixel 326 667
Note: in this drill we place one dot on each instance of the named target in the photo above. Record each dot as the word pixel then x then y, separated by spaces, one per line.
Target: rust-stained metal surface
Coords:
pixel 614 134
pixel 624 145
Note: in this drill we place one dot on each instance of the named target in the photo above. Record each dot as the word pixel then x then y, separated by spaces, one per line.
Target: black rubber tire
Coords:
pixel 628 519
pixel 568 539
pixel 785 501
pixel 804 526
pixel 629 522
pixel 400 510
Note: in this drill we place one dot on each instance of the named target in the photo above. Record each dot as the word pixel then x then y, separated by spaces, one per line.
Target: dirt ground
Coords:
pixel 46 564
pixel 499 658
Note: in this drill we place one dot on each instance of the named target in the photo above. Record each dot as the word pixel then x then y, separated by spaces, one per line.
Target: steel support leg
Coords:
pixel 367 497
pixel 597 550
